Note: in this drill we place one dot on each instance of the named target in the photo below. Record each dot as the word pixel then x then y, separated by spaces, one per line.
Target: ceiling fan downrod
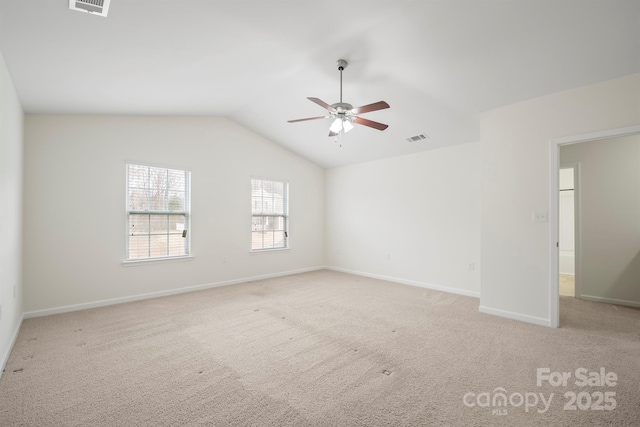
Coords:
pixel 342 64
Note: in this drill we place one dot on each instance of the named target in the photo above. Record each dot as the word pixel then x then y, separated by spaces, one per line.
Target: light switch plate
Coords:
pixel 540 216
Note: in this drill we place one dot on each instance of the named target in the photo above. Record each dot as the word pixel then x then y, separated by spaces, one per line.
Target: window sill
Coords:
pixel 266 251
pixel 132 262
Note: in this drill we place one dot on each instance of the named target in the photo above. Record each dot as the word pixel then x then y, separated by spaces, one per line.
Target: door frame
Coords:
pixel 554 188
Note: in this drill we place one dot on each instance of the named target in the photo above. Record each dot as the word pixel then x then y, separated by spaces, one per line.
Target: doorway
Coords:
pixel 568 211
pixel 554 232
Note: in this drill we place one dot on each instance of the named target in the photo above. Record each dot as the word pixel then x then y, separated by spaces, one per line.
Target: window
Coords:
pixel 157 212
pixel 269 214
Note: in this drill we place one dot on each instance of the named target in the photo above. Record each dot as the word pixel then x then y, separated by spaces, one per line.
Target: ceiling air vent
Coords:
pixel 417 137
pixel 94 7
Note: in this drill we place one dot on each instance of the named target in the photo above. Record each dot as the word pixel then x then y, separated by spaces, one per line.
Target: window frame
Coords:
pixel 186 212
pixel 285 215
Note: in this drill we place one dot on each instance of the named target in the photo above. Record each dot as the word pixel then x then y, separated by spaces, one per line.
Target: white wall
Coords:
pixel 75 205
pixel 415 218
pixel 610 217
pixel 515 182
pixel 11 152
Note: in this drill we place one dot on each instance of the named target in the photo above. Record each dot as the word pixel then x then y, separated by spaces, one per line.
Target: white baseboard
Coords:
pixel 610 300
pixel 102 303
pixel 409 282
pixel 5 357
pixel 515 316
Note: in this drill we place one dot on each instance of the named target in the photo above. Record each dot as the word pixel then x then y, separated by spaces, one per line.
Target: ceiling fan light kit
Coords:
pixel 343 114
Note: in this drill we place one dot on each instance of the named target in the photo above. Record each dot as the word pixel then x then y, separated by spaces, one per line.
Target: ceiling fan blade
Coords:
pixel 370 123
pixel 322 104
pixel 308 118
pixel 380 105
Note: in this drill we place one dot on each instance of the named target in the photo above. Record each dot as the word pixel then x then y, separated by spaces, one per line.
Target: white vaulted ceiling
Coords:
pixel 437 63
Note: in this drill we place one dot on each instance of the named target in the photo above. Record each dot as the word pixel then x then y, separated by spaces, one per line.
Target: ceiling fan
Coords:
pixel 344 115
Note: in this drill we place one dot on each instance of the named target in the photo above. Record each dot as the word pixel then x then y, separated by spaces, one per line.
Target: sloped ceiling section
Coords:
pixel 437 63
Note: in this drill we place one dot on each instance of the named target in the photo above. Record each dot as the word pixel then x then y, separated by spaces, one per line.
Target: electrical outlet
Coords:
pixel 225 259
pixel 472 266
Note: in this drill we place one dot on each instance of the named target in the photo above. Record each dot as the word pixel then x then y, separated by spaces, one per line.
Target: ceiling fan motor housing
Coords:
pixel 342 107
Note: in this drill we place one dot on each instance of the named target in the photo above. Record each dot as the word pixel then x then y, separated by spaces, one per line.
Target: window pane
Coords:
pixel 267 240
pixel 158 189
pixel 138 176
pixel 268 197
pixel 158 245
pixel 256 204
pixel 257 223
pixel 159 224
pixel 268 232
pixel 138 224
pixel 176 201
pixel 158 178
pixel 278 204
pixel 138 247
pixel 177 224
pixel 175 180
pixel 277 188
pixel 278 240
pixel 138 199
pixel 177 245
pixel 276 223
pixel 158 201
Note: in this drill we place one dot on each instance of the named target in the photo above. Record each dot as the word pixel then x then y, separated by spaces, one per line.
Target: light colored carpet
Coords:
pixel 567 285
pixel 315 349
